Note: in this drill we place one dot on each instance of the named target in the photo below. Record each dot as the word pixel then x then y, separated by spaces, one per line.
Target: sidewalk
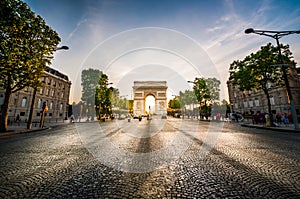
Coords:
pixel 281 128
pixel 21 128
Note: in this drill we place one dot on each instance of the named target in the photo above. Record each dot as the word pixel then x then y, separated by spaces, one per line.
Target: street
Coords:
pixel 156 158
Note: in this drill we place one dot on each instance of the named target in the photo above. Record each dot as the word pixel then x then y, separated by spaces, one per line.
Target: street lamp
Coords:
pixel 277 35
pixel 29 122
pixel 62 48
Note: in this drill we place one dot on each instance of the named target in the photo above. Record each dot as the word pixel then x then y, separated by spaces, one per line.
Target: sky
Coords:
pixel 166 40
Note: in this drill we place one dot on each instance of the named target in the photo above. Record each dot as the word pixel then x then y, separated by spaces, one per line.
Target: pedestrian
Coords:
pixel 286 120
pixel 72 118
pixel 128 118
pixel 18 119
pixel 278 118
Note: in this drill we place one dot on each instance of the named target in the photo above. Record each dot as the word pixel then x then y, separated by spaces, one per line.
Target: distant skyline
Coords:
pixel 168 40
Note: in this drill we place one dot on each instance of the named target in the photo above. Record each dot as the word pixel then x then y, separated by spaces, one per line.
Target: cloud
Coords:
pixel 213 29
pixel 78 25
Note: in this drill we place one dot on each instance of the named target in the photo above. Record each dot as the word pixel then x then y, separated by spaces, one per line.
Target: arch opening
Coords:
pixel 150 104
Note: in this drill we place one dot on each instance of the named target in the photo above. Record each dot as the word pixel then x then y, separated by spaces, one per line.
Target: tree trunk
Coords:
pixel 269 108
pixel 4 110
pixel 29 123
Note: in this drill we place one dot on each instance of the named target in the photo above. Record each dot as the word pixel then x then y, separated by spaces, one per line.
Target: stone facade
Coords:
pixel 253 101
pixel 157 89
pixel 55 93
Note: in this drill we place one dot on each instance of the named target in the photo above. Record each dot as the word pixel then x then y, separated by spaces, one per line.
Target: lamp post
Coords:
pixel 29 122
pixel 62 48
pixel 277 35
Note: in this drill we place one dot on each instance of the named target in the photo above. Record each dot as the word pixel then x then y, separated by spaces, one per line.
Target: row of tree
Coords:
pixel 27 44
pixel 98 98
pixel 205 93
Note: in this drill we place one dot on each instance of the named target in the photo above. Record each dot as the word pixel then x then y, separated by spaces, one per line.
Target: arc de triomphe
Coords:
pixel 142 89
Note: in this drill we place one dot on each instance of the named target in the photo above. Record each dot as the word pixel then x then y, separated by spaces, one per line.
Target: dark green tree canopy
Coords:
pixel 259 69
pixel 26 45
pixel 207 89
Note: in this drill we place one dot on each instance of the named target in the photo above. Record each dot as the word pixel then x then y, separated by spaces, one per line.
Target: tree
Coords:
pixel 89 82
pixel 174 103
pixel 213 86
pixel 103 96
pixel 26 47
pixel 206 90
pixel 260 71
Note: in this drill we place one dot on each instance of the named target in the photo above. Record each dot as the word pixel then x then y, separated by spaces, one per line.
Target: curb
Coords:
pixel 7 134
pixel 16 132
pixel 272 128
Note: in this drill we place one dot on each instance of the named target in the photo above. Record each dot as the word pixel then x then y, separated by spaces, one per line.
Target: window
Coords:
pixel 41 91
pixel 256 102
pixel 236 105
pixel 272 101
pixel 24 102
pixel 39 104
pixel 251 103
pixel 51 106
pixel 61 107
pixel 44 79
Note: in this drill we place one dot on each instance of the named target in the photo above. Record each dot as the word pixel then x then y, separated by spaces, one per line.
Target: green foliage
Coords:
pixel 104 95
pixel 26 47
pixel 260 69
pixel 174 103
pixel 89 82
pixel 187 97
pixel 207 90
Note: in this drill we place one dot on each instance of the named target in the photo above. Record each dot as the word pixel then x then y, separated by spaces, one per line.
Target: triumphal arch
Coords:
pixel 143 89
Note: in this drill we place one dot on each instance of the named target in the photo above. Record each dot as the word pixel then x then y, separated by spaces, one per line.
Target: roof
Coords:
pixel 56 73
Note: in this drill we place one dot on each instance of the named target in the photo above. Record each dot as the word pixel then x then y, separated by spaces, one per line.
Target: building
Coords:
pixel 155 89
pixel 253 101
pixel 55 93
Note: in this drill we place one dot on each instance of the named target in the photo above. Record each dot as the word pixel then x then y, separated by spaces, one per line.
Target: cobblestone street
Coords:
pixel 156 158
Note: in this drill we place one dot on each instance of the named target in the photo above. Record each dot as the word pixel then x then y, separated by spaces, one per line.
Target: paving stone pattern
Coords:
pixel 244 163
